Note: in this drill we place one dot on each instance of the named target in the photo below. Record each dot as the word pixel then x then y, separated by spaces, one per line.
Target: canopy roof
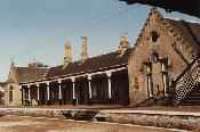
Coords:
pixel 102 62
pixel 190 7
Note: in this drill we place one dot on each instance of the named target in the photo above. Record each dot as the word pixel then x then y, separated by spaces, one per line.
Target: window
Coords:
pixel 165 79
pixel 154 57
pixel 149 82
pixel 11 94
pixel 154 36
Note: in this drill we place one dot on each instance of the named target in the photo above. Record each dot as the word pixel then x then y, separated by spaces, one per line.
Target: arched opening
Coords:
pixel 11 94
pixel 154 36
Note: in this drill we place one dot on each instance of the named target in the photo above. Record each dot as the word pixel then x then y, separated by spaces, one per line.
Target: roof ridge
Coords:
pixel 182 20
pixel 101 62
pixel 151 13
pixel 26 67
pixel 93 57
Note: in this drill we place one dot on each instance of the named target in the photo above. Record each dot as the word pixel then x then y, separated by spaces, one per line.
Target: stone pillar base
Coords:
pixel 74 101
pixel 110 101
pixel 38 103
pixel 61 102
pixel 48 102
pixel 90 102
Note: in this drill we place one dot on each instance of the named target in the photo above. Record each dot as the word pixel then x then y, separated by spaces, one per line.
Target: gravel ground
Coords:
pixel 43 124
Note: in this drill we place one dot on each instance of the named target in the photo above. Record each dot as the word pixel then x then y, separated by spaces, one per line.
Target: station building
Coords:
pixel 163 66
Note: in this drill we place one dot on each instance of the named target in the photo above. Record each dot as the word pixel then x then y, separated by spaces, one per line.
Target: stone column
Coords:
pixel 60 89
pixel 74 91
pixel 149 83
pixel 29 94
pixel 164 85
pixel 148 73
pixel 90 86
pixel 164 78
pixel 48 92
pixel 38 93
pixel 109 74
pixel 23 94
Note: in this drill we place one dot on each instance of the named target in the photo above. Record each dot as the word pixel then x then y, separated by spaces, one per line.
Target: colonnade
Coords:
pixel 26 87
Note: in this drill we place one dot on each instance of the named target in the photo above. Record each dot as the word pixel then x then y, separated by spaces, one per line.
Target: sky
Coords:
pixel 36 30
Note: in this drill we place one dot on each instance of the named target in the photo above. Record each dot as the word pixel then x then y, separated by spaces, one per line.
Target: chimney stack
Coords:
pixel 124 44
pixel 84 48
pixel 67 53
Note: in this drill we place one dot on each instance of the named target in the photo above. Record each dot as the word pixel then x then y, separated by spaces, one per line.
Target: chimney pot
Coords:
pixel 84 48
pixel 67 53
pixel 124 44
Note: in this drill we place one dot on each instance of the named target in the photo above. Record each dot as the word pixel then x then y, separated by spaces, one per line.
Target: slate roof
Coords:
pixel 2 84
pixel 101 62
pixel 195 30
pixel 113 59
pixel 30 74
pixel 188 29
pixel 93 64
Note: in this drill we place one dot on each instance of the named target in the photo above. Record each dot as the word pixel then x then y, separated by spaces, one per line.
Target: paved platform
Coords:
pixel 158 110
pixel 149 116
pixel 43 124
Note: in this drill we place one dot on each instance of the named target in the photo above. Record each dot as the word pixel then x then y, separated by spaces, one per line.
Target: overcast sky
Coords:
pixel 37 29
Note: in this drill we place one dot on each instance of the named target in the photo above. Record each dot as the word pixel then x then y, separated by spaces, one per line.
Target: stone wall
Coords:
pixel 166 119
pixel 163 44
pixel 17 95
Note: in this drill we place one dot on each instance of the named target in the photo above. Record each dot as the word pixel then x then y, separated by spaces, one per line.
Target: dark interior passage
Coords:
pixel 120 88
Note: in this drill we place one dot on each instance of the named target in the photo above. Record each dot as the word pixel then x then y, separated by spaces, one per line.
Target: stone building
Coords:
pixel 91 80
pixel 163 66
pixel 2 92
pixel 164 52
pixel 17 75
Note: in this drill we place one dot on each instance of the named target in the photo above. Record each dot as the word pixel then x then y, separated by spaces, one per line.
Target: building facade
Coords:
pixel 17 75
pixel 2 93
pixel 163 53
pixel 96 80
pixel 163 65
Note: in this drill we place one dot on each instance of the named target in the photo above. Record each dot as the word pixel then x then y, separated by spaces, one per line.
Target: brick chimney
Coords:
pixel 84 48
pixel 123 45
pixel 67 53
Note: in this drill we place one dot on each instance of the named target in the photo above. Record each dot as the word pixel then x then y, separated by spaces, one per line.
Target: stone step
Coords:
pixel 101 117
pixel 85 115
pixel 80 115
pixel 191 102
pixel 68 114
pixel 193 98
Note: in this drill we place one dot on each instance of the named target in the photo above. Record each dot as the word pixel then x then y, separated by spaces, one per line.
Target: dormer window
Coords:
pixel 154 36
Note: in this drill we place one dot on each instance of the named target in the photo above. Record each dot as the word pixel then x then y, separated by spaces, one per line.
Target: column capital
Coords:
pixel 47 82
pixel 21 87
pixel 37 84
pixel 73 79
pixel 28 85
pixel 59 81
pixel 109 73
pixel 89 76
